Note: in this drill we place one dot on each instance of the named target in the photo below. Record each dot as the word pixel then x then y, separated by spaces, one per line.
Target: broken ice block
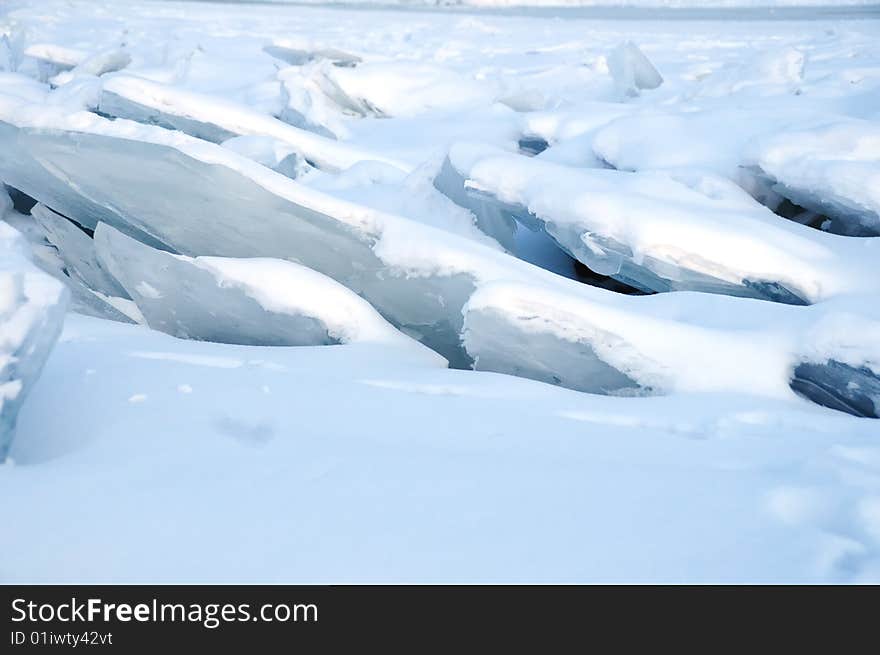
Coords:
pixel 255 301
pixel 669 231
pixel 632 70
pixel 833 169
pixel 490 218
pixel 77 250
pixel 32 306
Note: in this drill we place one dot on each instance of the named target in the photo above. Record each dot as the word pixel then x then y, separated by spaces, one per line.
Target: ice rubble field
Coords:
pixel 284 238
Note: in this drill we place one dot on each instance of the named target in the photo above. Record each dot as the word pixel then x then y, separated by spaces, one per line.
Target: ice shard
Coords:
pixel 32 306
pixel 670 231
pixel 269 152
pixel 490 218
pixel 298 54
pixel 77 250
pixel 254 301
pixel 217 120
pixel 632 70
pixel 834 384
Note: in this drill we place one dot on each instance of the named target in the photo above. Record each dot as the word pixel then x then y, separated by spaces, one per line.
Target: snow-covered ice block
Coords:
pixel 216 119
pixel 417 277
pixel 665 231
pixel 621 345
pixel 490 218
pixel 11 50
pixel 306 105
pixel 298 53
pixel 77 250
pixel 32 306
pixel 53 58
pixel 414 195
pixel 632 70
pixel 833 169
pixel 108 61
pixel 830 166
pixel 256 301
pixel 404 89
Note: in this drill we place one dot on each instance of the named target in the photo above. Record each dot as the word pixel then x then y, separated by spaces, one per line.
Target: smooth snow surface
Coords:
pixel 469 293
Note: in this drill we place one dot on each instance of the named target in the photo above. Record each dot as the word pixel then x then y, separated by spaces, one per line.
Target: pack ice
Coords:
pixel 422 280
pixel 503 297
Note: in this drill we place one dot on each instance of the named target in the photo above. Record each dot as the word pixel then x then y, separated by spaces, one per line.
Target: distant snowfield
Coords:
pixel 142 457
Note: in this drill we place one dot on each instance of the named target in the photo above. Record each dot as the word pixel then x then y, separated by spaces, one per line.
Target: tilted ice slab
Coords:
pixel 680 342
pixel 671 231
pixel 77 250
pixel 61 56
pixel 98 64
pixel 215 119
pixel 259 301
pixel 306 105
pixel 632 70
pixel 32 306
pixel 300 52
pixel 713 139
pixel 833 169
